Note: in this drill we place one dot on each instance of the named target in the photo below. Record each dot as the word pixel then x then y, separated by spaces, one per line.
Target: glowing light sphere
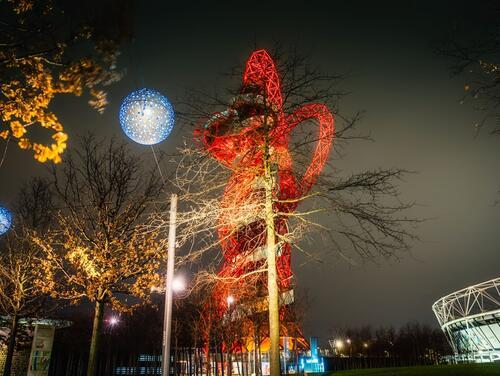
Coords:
pixel 178 284
pixel 146 116
pixel 5 220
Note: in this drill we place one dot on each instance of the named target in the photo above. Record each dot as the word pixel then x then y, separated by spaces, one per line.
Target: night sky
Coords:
pixel 413 112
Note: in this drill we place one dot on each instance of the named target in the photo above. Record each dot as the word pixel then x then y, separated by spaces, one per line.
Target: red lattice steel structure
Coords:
pixel 236 138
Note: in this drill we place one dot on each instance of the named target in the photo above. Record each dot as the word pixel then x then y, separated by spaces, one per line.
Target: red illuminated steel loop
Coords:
pixel 236 138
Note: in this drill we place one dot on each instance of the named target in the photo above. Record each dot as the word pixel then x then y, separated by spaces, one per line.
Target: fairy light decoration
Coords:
pixel 146 116
pixel 5 220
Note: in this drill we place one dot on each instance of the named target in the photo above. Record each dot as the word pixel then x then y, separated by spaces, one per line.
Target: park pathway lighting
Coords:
pixel 339 345
pixel 147 117
pixel 113 321
pixel 178 284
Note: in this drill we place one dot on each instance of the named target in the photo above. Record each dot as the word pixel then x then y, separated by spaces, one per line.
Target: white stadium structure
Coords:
pixel 470 319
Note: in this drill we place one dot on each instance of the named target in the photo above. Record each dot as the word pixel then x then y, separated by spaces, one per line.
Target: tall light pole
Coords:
pixel 167 316
pixel 147 117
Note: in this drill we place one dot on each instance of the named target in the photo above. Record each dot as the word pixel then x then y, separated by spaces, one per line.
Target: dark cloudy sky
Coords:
pixel 412 111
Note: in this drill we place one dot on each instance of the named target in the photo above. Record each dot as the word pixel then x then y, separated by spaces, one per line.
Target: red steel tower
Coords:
pixel 237 138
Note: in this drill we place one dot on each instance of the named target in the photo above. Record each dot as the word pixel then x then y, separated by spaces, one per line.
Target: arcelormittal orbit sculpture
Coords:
pixel 236 138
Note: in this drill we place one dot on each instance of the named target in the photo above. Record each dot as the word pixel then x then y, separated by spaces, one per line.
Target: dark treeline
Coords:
pixel 128 336
pixel 413 342
pixel 135 334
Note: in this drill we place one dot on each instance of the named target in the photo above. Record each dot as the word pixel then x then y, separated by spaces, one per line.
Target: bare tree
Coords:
pixel 365 216
pixel 369 198
pixel 101 248
pixel 475 55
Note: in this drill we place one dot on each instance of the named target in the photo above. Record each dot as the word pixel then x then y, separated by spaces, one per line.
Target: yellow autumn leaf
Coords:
pixel 17 129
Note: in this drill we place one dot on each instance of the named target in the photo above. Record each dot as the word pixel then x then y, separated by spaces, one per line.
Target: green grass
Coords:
pixel 450 370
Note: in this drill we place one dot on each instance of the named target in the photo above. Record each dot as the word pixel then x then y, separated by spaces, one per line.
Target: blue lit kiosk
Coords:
pixel 34 360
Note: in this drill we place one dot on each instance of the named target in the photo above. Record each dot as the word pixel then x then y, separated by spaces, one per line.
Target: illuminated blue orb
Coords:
pixel 146 116
pixel 5 220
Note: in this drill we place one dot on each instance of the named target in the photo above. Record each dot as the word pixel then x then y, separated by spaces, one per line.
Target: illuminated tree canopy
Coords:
pixel 47 49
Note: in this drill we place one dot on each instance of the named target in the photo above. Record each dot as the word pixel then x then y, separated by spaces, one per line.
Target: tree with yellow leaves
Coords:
pixel 20 295
pixel 49 48
pixel 101 248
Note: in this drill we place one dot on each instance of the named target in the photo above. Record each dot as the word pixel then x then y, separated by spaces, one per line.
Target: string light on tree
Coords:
pixel 146 116
pixel 5 220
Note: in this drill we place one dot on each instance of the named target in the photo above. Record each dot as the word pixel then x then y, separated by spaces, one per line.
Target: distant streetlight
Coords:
pixel 113 321
pixel 365 345
pixel 339 344
pixel 230 300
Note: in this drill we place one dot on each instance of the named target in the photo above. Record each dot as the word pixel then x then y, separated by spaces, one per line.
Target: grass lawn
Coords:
pixel 450 370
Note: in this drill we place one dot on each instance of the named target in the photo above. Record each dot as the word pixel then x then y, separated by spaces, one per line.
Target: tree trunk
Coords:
pixel 272 275
pixel 256 345
pixel 96 334
pixel 229 363
pixel 216 356
pixel 221 359
pixel 11 346
pixel 209 362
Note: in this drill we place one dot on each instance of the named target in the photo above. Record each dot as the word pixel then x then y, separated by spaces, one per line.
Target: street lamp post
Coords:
pixel 167 316
pixel 147 117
